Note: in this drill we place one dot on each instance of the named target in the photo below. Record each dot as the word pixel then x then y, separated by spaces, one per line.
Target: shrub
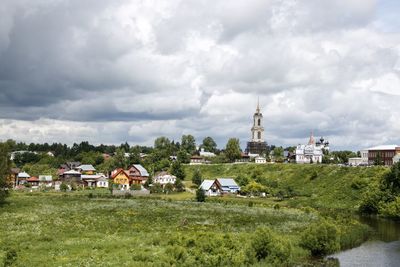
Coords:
pixel 63 187
pixel 266 245
pixel 370 201
pixel 392 209
pixel 136 187
pixel 320 238
pixel 200 195
pixel 314 175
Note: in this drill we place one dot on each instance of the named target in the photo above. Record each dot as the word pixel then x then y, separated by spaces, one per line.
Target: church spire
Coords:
pixel 312 140
pixel 258 105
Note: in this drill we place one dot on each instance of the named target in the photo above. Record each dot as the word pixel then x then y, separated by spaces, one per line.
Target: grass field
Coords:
pixel 90 228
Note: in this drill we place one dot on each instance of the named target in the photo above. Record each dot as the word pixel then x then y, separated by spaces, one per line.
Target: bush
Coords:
pixel 200 195
pixel 266 245
pixel 370 201
pixel 320 238
pixel 136 187
pixel 392 209
pixel 63 187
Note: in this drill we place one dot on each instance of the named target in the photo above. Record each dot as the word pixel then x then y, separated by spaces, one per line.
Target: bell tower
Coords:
pixel 257 130
pixel 257 145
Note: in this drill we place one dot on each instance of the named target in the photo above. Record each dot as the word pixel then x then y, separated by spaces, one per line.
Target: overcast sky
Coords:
pixel 110 71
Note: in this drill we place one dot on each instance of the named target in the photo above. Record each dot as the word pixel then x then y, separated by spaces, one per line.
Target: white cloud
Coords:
pixel 111 71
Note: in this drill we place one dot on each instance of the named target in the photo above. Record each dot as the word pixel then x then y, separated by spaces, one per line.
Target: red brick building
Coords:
pixel 384 154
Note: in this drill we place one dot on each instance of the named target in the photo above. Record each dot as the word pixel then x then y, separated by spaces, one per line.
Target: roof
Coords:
pixel 165 175
pixel 206 184
pixel 23 175
pixel 141 169
pixel 384 147
pixel 86 167
pixel 72 172
pixel 227 182
pixel 115 172
pixel 91 176
pixel 32 179
pixel 47 178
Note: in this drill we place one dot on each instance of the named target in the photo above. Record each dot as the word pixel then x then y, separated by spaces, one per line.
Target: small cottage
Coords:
pixel 211 188
pixel 164 178
pixel 260 160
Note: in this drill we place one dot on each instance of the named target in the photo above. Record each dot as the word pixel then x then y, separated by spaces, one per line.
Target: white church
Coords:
pixel 312 152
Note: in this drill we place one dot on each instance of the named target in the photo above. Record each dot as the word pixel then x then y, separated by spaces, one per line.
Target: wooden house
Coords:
pixel 211 188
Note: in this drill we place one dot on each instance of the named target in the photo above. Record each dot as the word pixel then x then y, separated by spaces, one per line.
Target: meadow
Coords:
pixel 91 228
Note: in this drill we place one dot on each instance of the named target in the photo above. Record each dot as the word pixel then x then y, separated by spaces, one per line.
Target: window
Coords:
pixel 259 135
pixel 259 122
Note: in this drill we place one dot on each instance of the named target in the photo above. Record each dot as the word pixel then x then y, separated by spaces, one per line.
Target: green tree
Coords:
pixel 200 195
pixel 196 178
pixel 183 156
pixel 232 150
pixel 5 171
pixel 321 238
pixel 177 170
pixel 278 154
pixel 209 144
pixel 188 143
pixel 268 246
pixel 120 161
pixel 179 187
pixel 392 179
pixel 134 155
pixel 378 159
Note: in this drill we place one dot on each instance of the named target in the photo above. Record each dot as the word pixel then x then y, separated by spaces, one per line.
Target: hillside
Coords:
pixel 318 186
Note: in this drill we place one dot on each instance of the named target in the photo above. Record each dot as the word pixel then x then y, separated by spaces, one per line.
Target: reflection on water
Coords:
pixel 383 251
pixel 371 253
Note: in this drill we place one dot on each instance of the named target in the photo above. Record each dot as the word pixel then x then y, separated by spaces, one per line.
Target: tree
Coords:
pixel 209 144
pixel 5 171
pixel 278 154
pixel 188 143
pixel 321 238
pixel 232 150
pixel 177 170
pixel 378 160
pixel 392 179
pixel 120 161
pixel 183 156
pixel 200 195
pixel 196 178
pixel 179 187
pixel 134 155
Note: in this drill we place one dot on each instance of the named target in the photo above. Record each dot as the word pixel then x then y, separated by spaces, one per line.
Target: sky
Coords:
pixel 114 71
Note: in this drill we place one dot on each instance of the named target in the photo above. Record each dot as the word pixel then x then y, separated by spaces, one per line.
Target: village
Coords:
pixel 137 180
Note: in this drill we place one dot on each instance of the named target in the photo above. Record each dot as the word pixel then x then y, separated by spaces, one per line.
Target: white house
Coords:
pixel 46 180
pixel 164 178
pixel 211 188
pixel 102 182
pixel 355 161
pixel 260 160
pixel 22 177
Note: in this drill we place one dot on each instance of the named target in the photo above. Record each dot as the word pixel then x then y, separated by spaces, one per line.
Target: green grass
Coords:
pixel 67 229
pixel 90 228
pixel 334 187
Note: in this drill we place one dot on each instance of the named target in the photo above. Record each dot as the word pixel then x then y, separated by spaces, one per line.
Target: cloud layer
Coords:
pixel 114 71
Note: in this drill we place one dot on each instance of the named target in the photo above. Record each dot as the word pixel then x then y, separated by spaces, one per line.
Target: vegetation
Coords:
pixel 196 177
pixel 232 150
pixel 93 228
pixel 382 196
pixel 5 167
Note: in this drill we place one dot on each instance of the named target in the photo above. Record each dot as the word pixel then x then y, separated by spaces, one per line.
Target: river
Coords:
pixel 382 251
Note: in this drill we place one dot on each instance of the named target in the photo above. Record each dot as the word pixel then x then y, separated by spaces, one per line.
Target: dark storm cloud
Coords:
pixel 112 71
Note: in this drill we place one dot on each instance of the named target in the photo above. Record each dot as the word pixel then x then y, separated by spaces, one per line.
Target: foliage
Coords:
pixel 5 166
pixel 196 177
pixel 188 144
pixel 278 154
pixel 200 195
pixel 232 149
pixel 209 144
pixel 183 156
pixel 136 187
pixel 63 187
pixel 321 238
pixel 178 185
pixel 392 179
pixel 266 245
pixel 156 188
pixel 253 188
pixel 177 170
pixel 392 209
